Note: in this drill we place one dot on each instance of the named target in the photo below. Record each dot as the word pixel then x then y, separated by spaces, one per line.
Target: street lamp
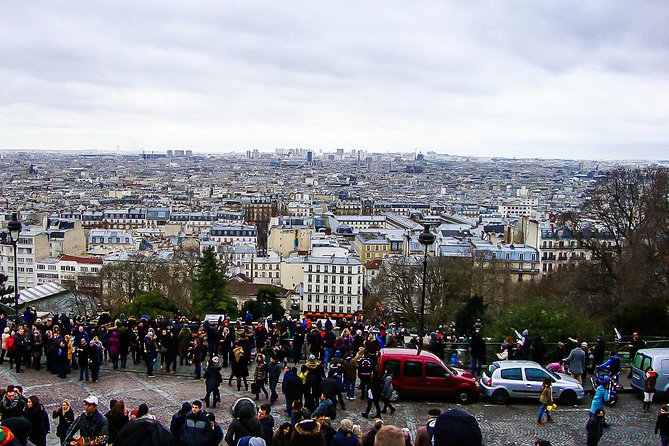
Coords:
pixel 14 227
pixel 426 238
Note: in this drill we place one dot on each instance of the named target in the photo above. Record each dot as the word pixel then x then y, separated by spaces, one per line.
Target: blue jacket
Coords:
pixel 601 395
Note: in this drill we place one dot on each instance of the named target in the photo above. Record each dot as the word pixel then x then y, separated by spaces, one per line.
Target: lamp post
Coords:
pixel 14 227
pixel 426 238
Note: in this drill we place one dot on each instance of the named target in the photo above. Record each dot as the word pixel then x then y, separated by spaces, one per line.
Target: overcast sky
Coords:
pixel 563 79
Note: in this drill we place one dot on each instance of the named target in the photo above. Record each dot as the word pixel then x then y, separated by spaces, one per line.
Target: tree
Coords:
pixel 153 304
pixel 267 302
pixel 209 287
pixel 6 293
pixel 465 317
pixel 624 223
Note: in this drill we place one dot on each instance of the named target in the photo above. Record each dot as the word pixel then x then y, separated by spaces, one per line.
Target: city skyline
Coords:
pixel 561 81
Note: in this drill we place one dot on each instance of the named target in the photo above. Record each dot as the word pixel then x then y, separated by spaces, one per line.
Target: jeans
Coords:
pixel 198 370
pixel 477 365
pixel 328 353
pixel 272 389
pixel 664 440
pixel 543 410
pixel 349 387
pixel 83 372
pixel 95 375
pixel 260 387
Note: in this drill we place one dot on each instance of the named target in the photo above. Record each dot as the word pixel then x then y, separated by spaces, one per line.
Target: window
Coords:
pixel 394 365
pixel 413 369
pixel 532 374
pixel 434 370
pixel 513 374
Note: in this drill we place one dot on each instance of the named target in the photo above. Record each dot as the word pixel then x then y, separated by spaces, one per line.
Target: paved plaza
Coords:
pixel 505 425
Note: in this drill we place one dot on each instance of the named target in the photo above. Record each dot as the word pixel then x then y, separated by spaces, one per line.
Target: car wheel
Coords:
pixel 568 398
pixel 500 396
pixel 465 397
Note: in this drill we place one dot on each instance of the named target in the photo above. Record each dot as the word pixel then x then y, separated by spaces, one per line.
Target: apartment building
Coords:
pixel 332 285
pixel 33 245
pixel 66 269
pixel 234 234
pixel 104 241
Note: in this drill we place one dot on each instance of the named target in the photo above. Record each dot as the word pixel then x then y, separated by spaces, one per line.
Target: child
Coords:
pixel 546 400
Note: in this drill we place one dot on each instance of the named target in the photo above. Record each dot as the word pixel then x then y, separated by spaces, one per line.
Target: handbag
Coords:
pixel 254 388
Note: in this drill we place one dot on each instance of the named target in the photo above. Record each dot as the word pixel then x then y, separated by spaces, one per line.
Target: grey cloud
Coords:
pixel 469 77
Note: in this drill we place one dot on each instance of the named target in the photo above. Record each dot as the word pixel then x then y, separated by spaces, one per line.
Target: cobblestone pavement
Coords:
pixel 501 425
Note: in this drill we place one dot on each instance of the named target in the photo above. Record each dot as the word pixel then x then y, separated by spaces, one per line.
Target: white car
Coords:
pixel 524 379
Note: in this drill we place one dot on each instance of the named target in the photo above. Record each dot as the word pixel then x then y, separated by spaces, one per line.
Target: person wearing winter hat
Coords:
pixel 455 427
pixel 146 432
pixel 7 437
pixel 245 422
pixel 178 423
pixel 143 412
pixel 307 433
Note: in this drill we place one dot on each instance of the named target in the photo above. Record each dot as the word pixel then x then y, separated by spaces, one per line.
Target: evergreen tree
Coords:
pixel 209 287
pixel 267 302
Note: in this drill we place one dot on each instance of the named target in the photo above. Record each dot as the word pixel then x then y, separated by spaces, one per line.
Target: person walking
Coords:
pixel 374 396
pixel 273 375
pixel 213 380
pixel 594 428
pixel 387 392
pixel 662 425
pixel 546 399
pixel 114 347
pixel 649 381
pixel 65 417
pixel 576 361
pixel 259 377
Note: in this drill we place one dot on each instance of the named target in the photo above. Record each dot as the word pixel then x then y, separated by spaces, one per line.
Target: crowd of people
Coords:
pixel 320 366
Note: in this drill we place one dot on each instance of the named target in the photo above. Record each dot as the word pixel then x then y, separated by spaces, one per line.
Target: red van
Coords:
pixel 421 373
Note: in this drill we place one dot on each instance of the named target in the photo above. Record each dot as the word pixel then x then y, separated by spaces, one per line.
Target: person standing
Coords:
pixel 39 420
pixel 90 424
pixel 65 417
pixel 649 381
pixel 662 425
pixel 114 346
pixel 150 352
pixel 595 428
pixel 634 346
pixel 83 356
pixel 546 399
pixel 576 361
pixel 477 351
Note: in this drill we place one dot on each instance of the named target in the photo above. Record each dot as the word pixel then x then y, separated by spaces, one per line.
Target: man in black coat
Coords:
pixel 477 352
pixel 292 387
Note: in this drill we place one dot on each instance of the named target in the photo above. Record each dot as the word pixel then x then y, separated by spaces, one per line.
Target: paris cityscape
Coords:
pixel 334 224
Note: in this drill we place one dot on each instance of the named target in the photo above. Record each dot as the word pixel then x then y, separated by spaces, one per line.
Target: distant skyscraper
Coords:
pixel 310 156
